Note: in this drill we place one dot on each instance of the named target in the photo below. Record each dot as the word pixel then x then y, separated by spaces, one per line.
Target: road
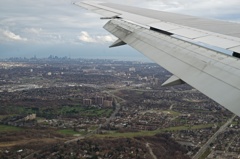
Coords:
pixel 118 106
pixel 150 151
pixel 206 145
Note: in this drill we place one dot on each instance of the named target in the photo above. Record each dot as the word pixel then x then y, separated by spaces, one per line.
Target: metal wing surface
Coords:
pixel 183 45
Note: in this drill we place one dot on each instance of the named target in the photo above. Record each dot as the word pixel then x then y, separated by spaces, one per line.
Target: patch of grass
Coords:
pixel 85 111
pixel 176 128
pixel 171 112
pixel 109 112
pixel 94 127
pixel 139 92
pixel 70 132
pixel 205 154
pixel 202 126
pixel 20 110
pixel 6 128
pixel 234 123
pixel 151 133
pixel 3 116
pixel 184 127
pixel 127 134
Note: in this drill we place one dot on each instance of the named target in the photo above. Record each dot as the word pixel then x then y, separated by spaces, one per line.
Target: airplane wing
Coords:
pixel 186 46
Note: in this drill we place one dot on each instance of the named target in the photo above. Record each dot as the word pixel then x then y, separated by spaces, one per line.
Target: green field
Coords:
pixel 85 111
pixel 70 132
pixel 6 128
pixel 171 112
pixel 3 116
pixel 151 133
pixel 177 128
pixel 48 112
pixel 128 134
pixel 20 110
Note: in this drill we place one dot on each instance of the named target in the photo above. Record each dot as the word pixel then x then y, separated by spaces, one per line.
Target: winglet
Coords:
pixel 172 81
pixel 117 43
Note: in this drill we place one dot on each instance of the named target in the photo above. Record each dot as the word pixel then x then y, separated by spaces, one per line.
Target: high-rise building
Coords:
pixel 107 103
pixel 99 100
pixel 87 102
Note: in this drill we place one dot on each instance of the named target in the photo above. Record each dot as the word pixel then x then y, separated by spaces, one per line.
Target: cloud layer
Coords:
pixel 59 22
pixel 85 37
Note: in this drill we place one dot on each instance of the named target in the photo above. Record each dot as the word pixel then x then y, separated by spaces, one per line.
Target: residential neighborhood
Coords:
pixel 69 104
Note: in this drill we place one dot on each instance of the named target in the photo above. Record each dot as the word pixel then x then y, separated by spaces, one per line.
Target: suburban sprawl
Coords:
pixel 59 107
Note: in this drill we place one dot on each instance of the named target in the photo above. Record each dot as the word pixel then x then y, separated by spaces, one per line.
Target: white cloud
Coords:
pixel 85 37
pixel 220 9
pixel 12 36
pixel 106 38
pixel 204 8
pixel 33 30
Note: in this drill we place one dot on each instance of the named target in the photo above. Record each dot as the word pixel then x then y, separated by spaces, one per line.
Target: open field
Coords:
pixel 151 133
pixel 70 132
pixel 85 111
pixel 171 112
pixel 56 111
pixel 3 116
pixel 6 128
pixel 26 137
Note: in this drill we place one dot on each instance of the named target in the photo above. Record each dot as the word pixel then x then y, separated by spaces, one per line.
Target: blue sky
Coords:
pixel 58 27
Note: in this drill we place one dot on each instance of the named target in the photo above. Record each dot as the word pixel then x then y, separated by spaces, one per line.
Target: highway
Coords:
pixel 206 145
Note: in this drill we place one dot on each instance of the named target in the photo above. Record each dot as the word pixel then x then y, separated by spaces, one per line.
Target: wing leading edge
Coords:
pixel 211 72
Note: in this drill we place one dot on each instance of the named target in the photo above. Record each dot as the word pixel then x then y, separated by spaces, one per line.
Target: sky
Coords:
pixel 57 27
